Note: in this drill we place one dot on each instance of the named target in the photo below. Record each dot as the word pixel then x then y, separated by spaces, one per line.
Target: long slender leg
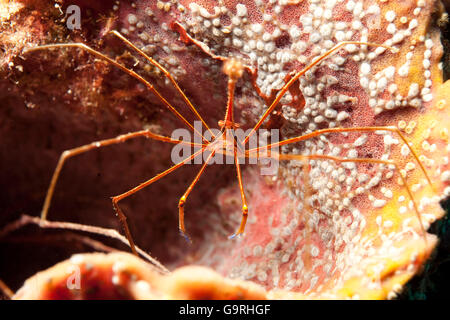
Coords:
pixel 124 69
pixel 285 88
pixel 183 199
pixel 167 74
pixel 362 160
pixel 244 200
pixel 116 199
pixel 97 144
pixel 353 129
pixel 6 290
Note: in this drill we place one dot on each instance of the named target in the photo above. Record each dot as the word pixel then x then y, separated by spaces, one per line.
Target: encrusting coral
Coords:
pixel 327 230
pixel 123 276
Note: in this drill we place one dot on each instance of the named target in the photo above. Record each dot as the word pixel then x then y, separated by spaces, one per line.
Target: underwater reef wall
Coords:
pixel 316 229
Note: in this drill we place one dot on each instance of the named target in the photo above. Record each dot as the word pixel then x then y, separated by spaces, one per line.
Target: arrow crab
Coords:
pixel 336 180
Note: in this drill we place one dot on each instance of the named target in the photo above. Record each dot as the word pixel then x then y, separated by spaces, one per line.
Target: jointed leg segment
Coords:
pixel 183 199
pixel 362 160
pixel 244 200
pixel 97 144
pixel 351 129
pixel 167 74
pixel 102 143
pixel 116 199
pixel 124 69
pixel 286 87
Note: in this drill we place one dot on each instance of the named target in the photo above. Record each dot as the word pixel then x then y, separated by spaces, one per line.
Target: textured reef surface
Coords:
pixel 322 229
